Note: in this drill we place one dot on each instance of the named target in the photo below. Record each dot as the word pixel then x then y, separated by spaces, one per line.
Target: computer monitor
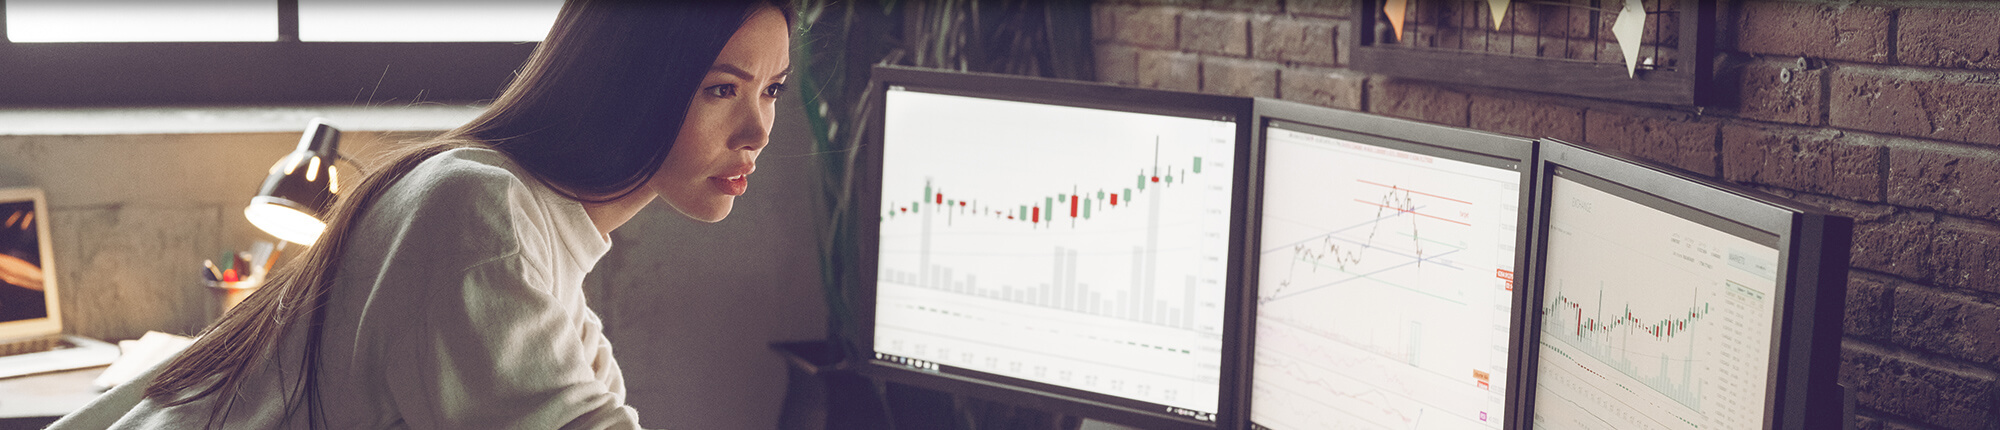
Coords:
pixel 1669 301
pixel 1060 245
pixel 27 275
pixel 1384 272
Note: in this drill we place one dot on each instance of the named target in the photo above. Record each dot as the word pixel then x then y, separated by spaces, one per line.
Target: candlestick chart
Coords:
pixel 1662 327
pixel 1082 248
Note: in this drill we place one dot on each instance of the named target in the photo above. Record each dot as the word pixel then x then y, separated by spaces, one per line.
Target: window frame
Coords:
pixel 282 72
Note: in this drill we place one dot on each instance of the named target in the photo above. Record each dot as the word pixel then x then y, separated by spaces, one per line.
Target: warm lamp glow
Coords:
pixel 284 222
pixel 290 203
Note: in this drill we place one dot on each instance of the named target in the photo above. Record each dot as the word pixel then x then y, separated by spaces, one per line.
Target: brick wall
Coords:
pixel 1884 110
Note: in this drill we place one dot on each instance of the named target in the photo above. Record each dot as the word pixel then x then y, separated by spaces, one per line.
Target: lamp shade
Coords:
pixel 299 191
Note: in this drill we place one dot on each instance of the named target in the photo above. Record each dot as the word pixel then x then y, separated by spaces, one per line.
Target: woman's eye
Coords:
pixel 724 90
pixel 774 90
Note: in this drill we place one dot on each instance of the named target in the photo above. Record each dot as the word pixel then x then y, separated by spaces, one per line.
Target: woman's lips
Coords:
pixel 734 184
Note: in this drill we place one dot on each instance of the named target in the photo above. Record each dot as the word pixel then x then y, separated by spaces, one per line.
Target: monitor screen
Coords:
pixel 1072 250
pixel 21 276
pixel 1654 315
pixel 1384 283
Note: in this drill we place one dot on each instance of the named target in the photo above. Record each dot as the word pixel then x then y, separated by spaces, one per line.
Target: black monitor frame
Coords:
pixel 1423 138
pixel 1812 273
pixel 866 220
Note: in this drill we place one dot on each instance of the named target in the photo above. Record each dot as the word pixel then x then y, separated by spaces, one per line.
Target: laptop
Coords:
pixel 31 339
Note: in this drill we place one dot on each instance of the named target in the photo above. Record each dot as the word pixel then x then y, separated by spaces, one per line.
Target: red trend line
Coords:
pixel 1411 211
pixel 1407 190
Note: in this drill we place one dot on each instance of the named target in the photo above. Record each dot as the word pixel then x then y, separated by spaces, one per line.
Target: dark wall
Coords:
pixel 1886 111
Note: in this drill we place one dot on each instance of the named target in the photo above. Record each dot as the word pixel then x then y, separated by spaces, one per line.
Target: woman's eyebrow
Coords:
pixel 732 69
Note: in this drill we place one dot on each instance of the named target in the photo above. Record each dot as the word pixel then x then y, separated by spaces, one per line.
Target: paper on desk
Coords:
pixel 1628 30
pixel 137 356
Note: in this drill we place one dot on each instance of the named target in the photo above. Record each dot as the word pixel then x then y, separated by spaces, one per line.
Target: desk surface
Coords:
pixel 51 394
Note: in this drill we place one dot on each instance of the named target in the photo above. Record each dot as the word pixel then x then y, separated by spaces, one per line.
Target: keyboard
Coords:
pixel 58 353
pixel 32 345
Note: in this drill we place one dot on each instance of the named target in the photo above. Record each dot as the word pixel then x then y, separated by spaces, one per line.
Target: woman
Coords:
pixel 446 291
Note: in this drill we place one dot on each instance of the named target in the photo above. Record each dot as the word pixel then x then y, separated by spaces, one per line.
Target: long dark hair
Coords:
pixel 592 114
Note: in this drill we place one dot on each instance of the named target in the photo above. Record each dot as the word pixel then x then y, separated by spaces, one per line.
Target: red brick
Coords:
pixel 1551 21
pixel 1244 78
pixel 1948 38
pixel 1812 160
pixel 1954 179
pixel 1169 70
pixel 1819 30
pixel 1782 91
pixel 1670 139
pixel 1326 8
pixel 1964 253
pixel 1298 40
pixel 1894 241
pixel 1417 100
pixel 1260 6
pixel 1887 239
pixel 1937 321
pixel 1117 64
pixel 1222 33
pixel 1870 299
pixel 1152 27
pixel 1865 422
pixel 1104 21
pixel 1962 107
pixel 1531 119
pixel 1937 393
pixel 1338 89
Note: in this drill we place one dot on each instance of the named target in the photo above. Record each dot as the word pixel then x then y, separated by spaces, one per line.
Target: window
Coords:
pixel 425 21
pixel 235 52
pixel 131 21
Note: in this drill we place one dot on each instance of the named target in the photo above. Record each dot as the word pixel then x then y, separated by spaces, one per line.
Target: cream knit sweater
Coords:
pixel 458 304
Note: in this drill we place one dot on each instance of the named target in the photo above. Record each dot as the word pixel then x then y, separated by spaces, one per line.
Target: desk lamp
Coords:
pixel 300 189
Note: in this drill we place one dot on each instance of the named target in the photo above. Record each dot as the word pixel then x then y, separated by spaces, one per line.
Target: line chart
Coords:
pixel 1383 301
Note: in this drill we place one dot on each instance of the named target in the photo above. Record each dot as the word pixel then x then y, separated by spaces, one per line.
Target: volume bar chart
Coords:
pixel 1081 248
pixel 1648 328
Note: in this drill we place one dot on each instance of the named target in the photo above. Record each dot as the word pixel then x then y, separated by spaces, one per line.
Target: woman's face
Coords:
pixel 728 122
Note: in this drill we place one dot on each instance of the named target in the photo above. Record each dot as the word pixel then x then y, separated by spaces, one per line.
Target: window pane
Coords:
pixel 426 20
pixel 142 21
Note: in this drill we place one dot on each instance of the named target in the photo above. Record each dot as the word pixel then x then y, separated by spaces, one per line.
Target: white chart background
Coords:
pixel 997 156
pixel 1609 257
pixel 1381 297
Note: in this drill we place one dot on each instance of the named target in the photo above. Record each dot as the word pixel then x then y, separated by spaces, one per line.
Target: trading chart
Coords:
pixel 1078 247
pixel 1385 282
pixel 1665 326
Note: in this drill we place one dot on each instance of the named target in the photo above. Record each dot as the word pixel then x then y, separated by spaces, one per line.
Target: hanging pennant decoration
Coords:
pixel 1499 9
pixel 1396 9
pixel 1629 30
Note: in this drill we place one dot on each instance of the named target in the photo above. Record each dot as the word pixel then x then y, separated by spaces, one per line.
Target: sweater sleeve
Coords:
pixel 476 332
pixel 496 352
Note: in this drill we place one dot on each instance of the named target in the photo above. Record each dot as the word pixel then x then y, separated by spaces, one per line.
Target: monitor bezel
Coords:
pixel 1812 271
pixel 1394 133
pixel 50 324
pixel 866 220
